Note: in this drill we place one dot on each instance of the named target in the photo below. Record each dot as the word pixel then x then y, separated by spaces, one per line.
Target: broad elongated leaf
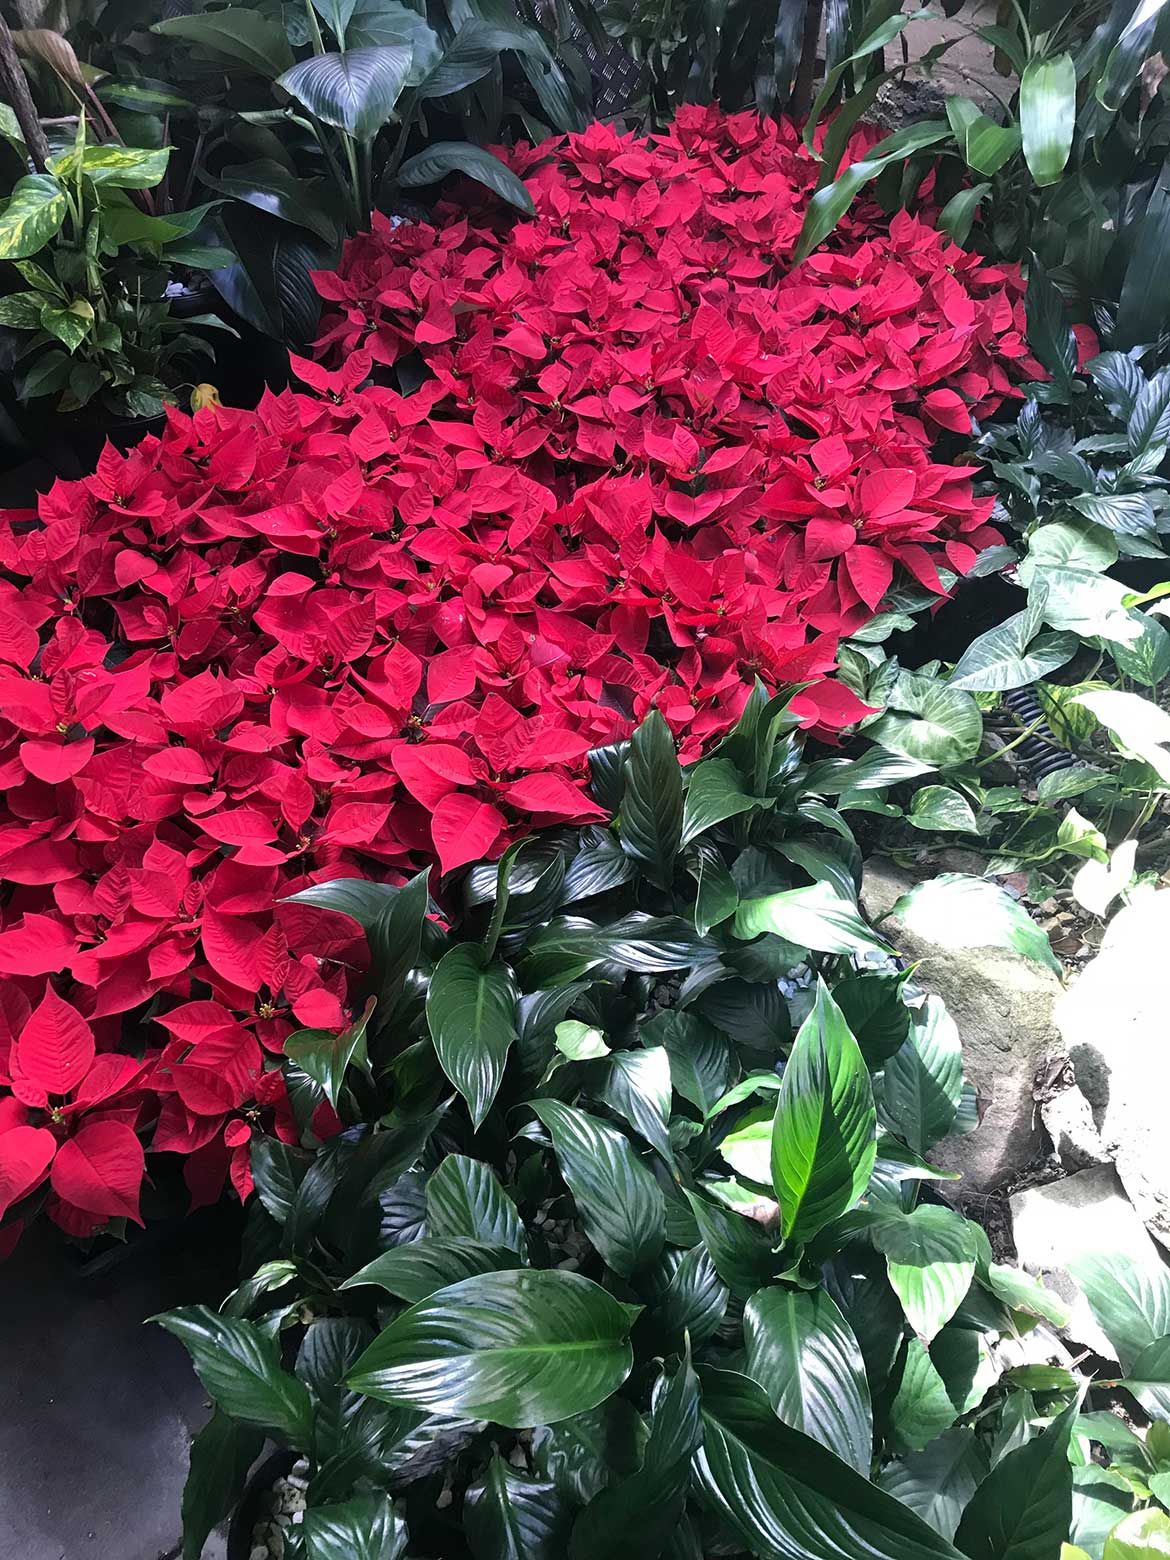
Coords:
pixel 801 1350
pixel 118 167
pixel 922 1408
pixel 444 157
pixel 1148 1378
pixel 1048 114
pixel 471 1013
pixel 939 1481
pixel 240 1367
pixel 824 1137
pixel 815 917
pixel 714 793
pixel 637 1085
pixel 242 37
pixel 33 213
pixel 420 1267
pixel 985 146
pixel 357 898
pixel 509 1516
pixel 1144 1535
pixel 738 1247
pixel 520 1348
pixel 221 1455
pixel 702 1061
pixel 693 1303
pixel 471 55
pixel 355 91
pixel 465 1201
pixel 877 1015
pixel 1129 1298
pixel 930 1256
pixel 365 1527
pixel 790 1498
pixel 830 204
pixel 652 800
pixel 1023 1508
pixel 923 1080
pixel 620 1203
pixel 590 1451
pixel 325 1056
pixel 1049 333
pixel 957 911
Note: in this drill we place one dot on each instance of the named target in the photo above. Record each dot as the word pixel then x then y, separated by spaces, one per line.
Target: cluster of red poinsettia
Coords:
pixel 357 629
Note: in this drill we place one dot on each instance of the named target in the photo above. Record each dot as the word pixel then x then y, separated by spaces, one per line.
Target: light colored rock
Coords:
pixel 1003 1005
pixel 1084 1214
pixel 1115 1024
pixel 1068 1120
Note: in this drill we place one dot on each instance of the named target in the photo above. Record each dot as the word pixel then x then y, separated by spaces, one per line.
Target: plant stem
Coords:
pixel 314 28
pixel 363 219
pixel 15 89
pixel 1015 742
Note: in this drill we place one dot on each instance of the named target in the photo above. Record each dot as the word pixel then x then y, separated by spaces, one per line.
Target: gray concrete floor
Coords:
pixel 96 1409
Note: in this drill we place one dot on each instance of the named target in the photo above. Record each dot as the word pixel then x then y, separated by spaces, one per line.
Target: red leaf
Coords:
pixel 552 797
pixel 101 1170
pixel 56 762
pixel 41 945
pixel 25 1156
pixel 464 830
pixel 56 1046
pixel 243 826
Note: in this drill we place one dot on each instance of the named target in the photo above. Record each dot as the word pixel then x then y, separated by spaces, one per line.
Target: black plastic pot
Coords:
pixel 70 442
pixel 239 1544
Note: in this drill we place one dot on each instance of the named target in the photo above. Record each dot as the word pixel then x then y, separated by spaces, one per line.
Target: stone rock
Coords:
pixel 1068 1120
pixel 1003 1006
pixel 1082 1215
pixel 1114 1024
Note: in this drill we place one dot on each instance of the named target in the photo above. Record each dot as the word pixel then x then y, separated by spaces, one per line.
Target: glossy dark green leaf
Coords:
pixel 471 1013
pixel 1129 1298
pixel 957 217
pixel 930 1256
pixel 355 91
pixel 520 1348
pixel 715 792
pixel 702 1061
pixel 325 1055
pixel 634 1519
pixel 395 937
pixel 619 1202
pixel 716 896
pixel 1023 1509
pixel 824 1138
pixel 801 1350
pixel 878 1018
pixel 1049 332
pixel 652 800
pixel 815 917
pixel 468 58
pixel 790 1498
pixel 420 1267
pixel 278 1170
pixel 939 1481
pixel 466 1201
pixel 694 1302
pixel 509 1516
pixel 444 157
pixel 739 1248
pixel 362 901
pixel 637 1085
pixel 245 38
pixel 365 1527
pixel 569 947
pixel 588 1452
pixel 924 1079
pixel 1142 307
pixel 830 204
pixel 922 1408
pixel 221 1455
pixel 330 1347
pixel 240 1367
pixel 1048 113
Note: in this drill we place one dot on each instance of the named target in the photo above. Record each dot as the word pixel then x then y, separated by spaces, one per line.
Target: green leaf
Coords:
pixel 1023 1509
pixel 1048 115
pixel 417 1269
pixel 957 911
pixel 939 809
pixel 694 1302
pixel 278 1170
pixel 824 1137
pixel 22 310
pixel 803 1353
pixel 32 214
pixel 471 1014
pixel 365 1527
pixel 1006 656
pixel 714 793
pixel 930 1257
pixel 939 1481
pixel 117 167
pixel 1143 1535
pixel 1130 1299
pixel 471 55
pixel 588 1452
pixel 325 1056
pixel 362 901
pixel 716 895
pixel 466 1201
pixel 957 218
pixel 830 204
pixel 984 145
pixel 652 801
pixel 580 1042
pixel 619 1202
pixel 1020 1292
pixel 519 1348
pixel 444 157
pixel 877 1016
pixel 702 1061
pixel 271 187
pixel 240 1367
pixel 509 1516
pixel 739 1248
pixel 1148 1378
pixel 747 1148
pixel 1049 332
pixel 1138 725
pixel 790 1498
pixel 922 1408
pixel 634 1519
pixel 355 91
pixel 221 1455
pixel 815 917
pixel 395 937
pixel 376 22
pixel 70 326
pixel 923 1080
pixel 942 727
pixel 243 37
pixel 637 1084
pixel 1149 422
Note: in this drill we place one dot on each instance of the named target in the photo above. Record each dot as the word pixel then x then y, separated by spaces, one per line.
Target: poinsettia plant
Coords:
pixel 631 1243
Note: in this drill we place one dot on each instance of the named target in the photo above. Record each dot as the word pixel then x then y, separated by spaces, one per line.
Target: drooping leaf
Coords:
pixel 509 1516
pixel 326 1056
pixel 465 1201
pixel 693 1303
pixel 824 1137
pixel 702 1061
pixel 801 1350
pixel 32 215
pixel 619 1202
pixel 471 1013
pixel 637 1084
pixel 714 793
pixel 520 1348
pixel 815 917
pixel 245 38
pixel 444 157
pixel 830 204
pixel 355 91
pixel 787 1496
pixel 923 1080
pixel 589 1451
pixel 420 1267
pixel 738 1246
pixel 1048 112
pixel 221 1455
pixel 365 1527
pixel 957 911
pixel 240 1367
pixel 1024 1507
pixel 930 1256
pixel 1129 1298
pixel 939 1481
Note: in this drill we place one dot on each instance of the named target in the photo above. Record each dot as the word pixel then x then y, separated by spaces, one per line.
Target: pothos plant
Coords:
pixel 629 1242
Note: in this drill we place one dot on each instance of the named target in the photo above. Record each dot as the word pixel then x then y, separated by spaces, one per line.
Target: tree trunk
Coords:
pixel 14 87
